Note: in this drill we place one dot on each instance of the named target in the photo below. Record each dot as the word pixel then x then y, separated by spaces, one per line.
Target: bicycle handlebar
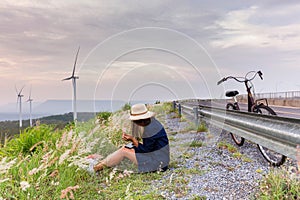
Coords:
pixel 245 79
pixel 221 81
pixel 260 74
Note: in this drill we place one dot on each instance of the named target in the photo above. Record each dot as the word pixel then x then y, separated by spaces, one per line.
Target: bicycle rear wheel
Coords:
pixel 237 139
pixel 274 158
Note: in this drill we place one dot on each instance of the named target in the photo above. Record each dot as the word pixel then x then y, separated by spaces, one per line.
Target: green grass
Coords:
pixel 233 150
pixel 202 127
pixel 279 184
pixel 196 143
pixel 229 147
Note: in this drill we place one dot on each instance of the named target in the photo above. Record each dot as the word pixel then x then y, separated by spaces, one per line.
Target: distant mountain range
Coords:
pixel 65 106
pixel 54 107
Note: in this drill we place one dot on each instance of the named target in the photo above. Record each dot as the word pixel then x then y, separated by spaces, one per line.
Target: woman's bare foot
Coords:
pixel 99 167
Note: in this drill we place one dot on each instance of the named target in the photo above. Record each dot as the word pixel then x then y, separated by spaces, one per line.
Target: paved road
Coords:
pixel 284 111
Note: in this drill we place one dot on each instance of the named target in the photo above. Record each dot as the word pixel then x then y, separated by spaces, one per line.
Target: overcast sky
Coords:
pixel 146 49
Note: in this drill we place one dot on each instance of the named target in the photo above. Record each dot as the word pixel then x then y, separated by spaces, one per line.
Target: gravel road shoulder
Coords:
pixel 211 171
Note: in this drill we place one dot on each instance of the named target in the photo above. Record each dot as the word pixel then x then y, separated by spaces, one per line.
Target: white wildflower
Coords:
pixel 87 147
pixel 70 136
pixel 82 134
pixel 95 129
pixel 171 178
pixel 24 185
pixel 5 166
pixel 77 161
pixel 127 172
pixel 3 180
pixel 33 171
pixel 60 142
pixel 54 183
pixel 46 157
pixel 64 156
pixel 127 190
pixel 112 174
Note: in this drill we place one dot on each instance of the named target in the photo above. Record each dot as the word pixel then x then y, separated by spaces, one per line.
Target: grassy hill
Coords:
pixel 48 163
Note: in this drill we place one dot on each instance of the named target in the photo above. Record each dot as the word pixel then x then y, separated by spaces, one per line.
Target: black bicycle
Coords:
pixel 259 106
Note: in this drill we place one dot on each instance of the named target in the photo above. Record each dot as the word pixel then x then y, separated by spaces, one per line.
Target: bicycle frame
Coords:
pixel 250 98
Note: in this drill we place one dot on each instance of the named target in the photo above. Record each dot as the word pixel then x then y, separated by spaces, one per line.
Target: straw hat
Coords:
pixel 140 111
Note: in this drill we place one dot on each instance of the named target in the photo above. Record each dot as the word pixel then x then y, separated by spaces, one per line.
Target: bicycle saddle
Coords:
pixel 231 93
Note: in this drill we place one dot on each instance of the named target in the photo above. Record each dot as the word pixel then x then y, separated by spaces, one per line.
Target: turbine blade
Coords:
pixel 21 90
pixel 75 62
pixel 67 78
pixel 16 90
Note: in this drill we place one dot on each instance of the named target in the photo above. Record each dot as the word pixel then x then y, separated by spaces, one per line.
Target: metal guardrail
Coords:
pixel 279 134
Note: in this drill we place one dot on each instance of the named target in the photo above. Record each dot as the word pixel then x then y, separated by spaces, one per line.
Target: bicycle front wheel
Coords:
pixel 274 158
pixel 237 139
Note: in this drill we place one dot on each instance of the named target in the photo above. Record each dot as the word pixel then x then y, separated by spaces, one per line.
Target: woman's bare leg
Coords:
pixel 116 157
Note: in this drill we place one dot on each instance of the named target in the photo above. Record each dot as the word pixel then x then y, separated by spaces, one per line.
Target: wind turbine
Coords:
pixel 19 100
pixel 73 77
pixel 30 107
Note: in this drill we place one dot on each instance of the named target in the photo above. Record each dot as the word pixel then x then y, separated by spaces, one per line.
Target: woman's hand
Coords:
pixel 127 137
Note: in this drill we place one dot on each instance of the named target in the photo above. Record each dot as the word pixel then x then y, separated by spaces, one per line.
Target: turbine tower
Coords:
pixel 73 77
pixel 30 108
pixel 19 100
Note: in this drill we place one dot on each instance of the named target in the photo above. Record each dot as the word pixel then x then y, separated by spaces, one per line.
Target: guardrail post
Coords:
pixel 298 158
pixel 179 109
pixel 174 105
pixel 196 115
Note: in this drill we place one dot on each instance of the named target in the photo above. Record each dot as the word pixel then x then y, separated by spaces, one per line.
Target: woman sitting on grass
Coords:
pixel 152 154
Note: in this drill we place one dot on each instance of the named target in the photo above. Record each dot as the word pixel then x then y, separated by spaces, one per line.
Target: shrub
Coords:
pixel 168 107
pixel 127 106
pixel 28 138
pixel 103 117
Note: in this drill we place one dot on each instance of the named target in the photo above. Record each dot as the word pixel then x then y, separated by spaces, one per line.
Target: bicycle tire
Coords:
pixel 274 158
pixel 237 139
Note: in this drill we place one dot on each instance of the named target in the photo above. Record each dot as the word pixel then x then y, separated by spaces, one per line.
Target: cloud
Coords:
pixel 253 27
pixel 39 39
